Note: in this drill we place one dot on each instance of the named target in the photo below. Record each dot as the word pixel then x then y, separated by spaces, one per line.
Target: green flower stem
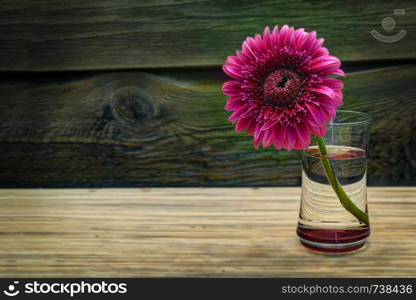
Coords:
pixel 336 185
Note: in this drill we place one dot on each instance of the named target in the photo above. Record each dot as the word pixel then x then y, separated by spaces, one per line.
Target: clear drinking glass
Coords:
pixel 324 224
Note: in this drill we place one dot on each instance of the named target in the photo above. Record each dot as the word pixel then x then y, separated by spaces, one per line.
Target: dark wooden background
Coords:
pixel 128 93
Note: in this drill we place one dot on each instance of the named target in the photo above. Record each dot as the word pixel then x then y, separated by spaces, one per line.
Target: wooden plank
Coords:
pixel 217 232
pixel 80 35
pixel 170 129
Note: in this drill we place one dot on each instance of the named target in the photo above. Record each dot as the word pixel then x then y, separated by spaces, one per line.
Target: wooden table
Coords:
pixel 230 232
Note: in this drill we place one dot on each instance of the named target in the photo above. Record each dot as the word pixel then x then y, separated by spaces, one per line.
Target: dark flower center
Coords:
pixel 282 86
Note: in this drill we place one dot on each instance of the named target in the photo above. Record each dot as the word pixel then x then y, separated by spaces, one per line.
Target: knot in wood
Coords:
pixel 133 106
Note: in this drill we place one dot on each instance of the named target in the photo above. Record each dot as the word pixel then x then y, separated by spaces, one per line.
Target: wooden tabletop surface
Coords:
pixel 192 232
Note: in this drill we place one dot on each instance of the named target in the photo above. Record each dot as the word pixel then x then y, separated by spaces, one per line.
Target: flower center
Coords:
pixel 282 86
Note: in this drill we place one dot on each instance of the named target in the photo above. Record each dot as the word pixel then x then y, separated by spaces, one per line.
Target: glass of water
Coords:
pixel 324 224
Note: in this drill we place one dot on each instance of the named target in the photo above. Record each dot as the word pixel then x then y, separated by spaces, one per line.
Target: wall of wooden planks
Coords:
pixel 128 93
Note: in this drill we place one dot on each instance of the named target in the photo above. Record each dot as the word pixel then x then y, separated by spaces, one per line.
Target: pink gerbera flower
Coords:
pixel 282 89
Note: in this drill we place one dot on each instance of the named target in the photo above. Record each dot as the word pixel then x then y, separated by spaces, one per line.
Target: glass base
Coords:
pixel 335 241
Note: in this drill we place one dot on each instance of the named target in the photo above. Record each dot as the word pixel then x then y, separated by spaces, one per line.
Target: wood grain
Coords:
pixel 170 129
pixel 220 232
pixel 81 35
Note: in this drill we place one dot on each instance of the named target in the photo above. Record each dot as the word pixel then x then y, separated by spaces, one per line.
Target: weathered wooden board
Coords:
pixel 170 129
pixel 79 34
pixel 234 232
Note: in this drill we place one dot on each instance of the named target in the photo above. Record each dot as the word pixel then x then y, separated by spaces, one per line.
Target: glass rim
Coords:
pixel 364 118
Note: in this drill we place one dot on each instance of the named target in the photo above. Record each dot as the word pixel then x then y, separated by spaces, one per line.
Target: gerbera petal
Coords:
pixel 267 125
pixel 257 131
pixel 232 72
pixel 338 72
pixel 284 35
pixel 292 41
pixel 266 38
pixel 316 114
pixel 268 138
pixel 234 61
pixel 259 43
pixel 318 131
pixel 329 111
pixel 235 116
pixel 233 103
pixel 279 137
pixel 300 38
pixel 303 134
pixel 231 88
pixel 248 112
pixel 299 145
pixel 310 39
pixel 246 59
pixel 316 44
pixel 243 124
pixel 333 83
pixel 257 141
pixel 232 84
pixel 250 131
pixel 340 95
pixel 291 138
pixel 325 64
pixel 247 49
pixel 275 37
pixel 325 101
pixel 322 51
pixel 326 92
